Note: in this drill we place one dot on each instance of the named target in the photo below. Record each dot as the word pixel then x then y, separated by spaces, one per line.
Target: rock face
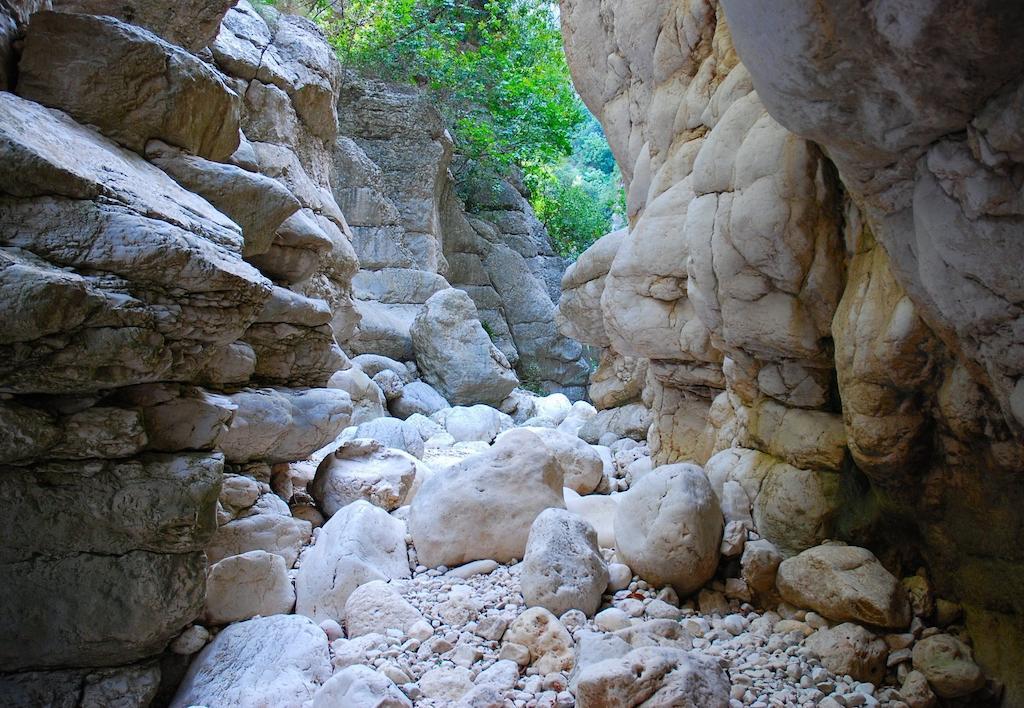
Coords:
pixel 563 569
pixel 668 528
pixel 760 266
pixel 483 507
pixel 455 354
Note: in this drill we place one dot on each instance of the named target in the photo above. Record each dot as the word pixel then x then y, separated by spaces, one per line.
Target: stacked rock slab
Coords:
pixel 843 311
pixel 174 275
pixel 400 188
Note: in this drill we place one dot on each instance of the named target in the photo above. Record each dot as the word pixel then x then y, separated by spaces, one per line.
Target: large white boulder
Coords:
pixel 598 510
pixel 483 506
pixel 272 661
pixel 563 569
pixel 455 354
pixel 364 469
pixel 362 687
pixel 473 423
pixel 654 676
pixel 359 544
pixel 377 607
pixel 668 528
pixel 582 465
pixel 845 584
pixel 243 586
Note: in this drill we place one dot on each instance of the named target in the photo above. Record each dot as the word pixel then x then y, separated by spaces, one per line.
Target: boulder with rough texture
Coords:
pixel 456 355
pixel 669 528
pixel 359 544
pixel 364 469
pixel 654 676
pixel 850 649
pixel 93 67
pixel 377 607
pixel 563 568
pixel 548 641
pixel 845 584
pixel 948 665
pixel 482 508
pixel 360 686
pixel 243 586
pixel 280 660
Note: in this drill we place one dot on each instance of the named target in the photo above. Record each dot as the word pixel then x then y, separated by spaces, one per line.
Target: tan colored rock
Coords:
pixel 549 643
pixel 851 650
pixel 947 664
pixel 845 584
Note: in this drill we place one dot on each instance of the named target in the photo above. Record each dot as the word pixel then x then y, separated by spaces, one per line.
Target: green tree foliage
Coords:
pixel 497 71
pixel 580 198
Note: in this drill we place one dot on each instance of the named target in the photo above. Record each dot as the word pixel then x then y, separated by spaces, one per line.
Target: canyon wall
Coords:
pixel 199 209
pixel 818 290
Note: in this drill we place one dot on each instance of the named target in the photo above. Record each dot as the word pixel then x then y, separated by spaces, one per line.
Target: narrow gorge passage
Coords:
pixel 349 361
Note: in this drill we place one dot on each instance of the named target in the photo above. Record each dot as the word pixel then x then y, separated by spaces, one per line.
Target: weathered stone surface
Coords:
pixel 947 664
pixel 359 544
pixel 360 686
pixel 393 433
pixel 417 397
pixel 455 354
pixel 377 607
pixel 548 641
pixel 483 507
pixel 192 25
pixel 582 466
pixel 258 204
pixel 281 660
pixel 273 531
pixel 243 586
pixel 165 503
pixel 653 676
pixel 562 567
pixel 669 528
pixel 364 469
pixel 93 67
pixel 87 623
pixel 846 584
pixel 478 423
pixel 850 649
pixel 133 686
pixel 280 425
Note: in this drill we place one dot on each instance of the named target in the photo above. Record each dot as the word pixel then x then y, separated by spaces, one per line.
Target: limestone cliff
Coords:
pixel 820 271
pixel 198 210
